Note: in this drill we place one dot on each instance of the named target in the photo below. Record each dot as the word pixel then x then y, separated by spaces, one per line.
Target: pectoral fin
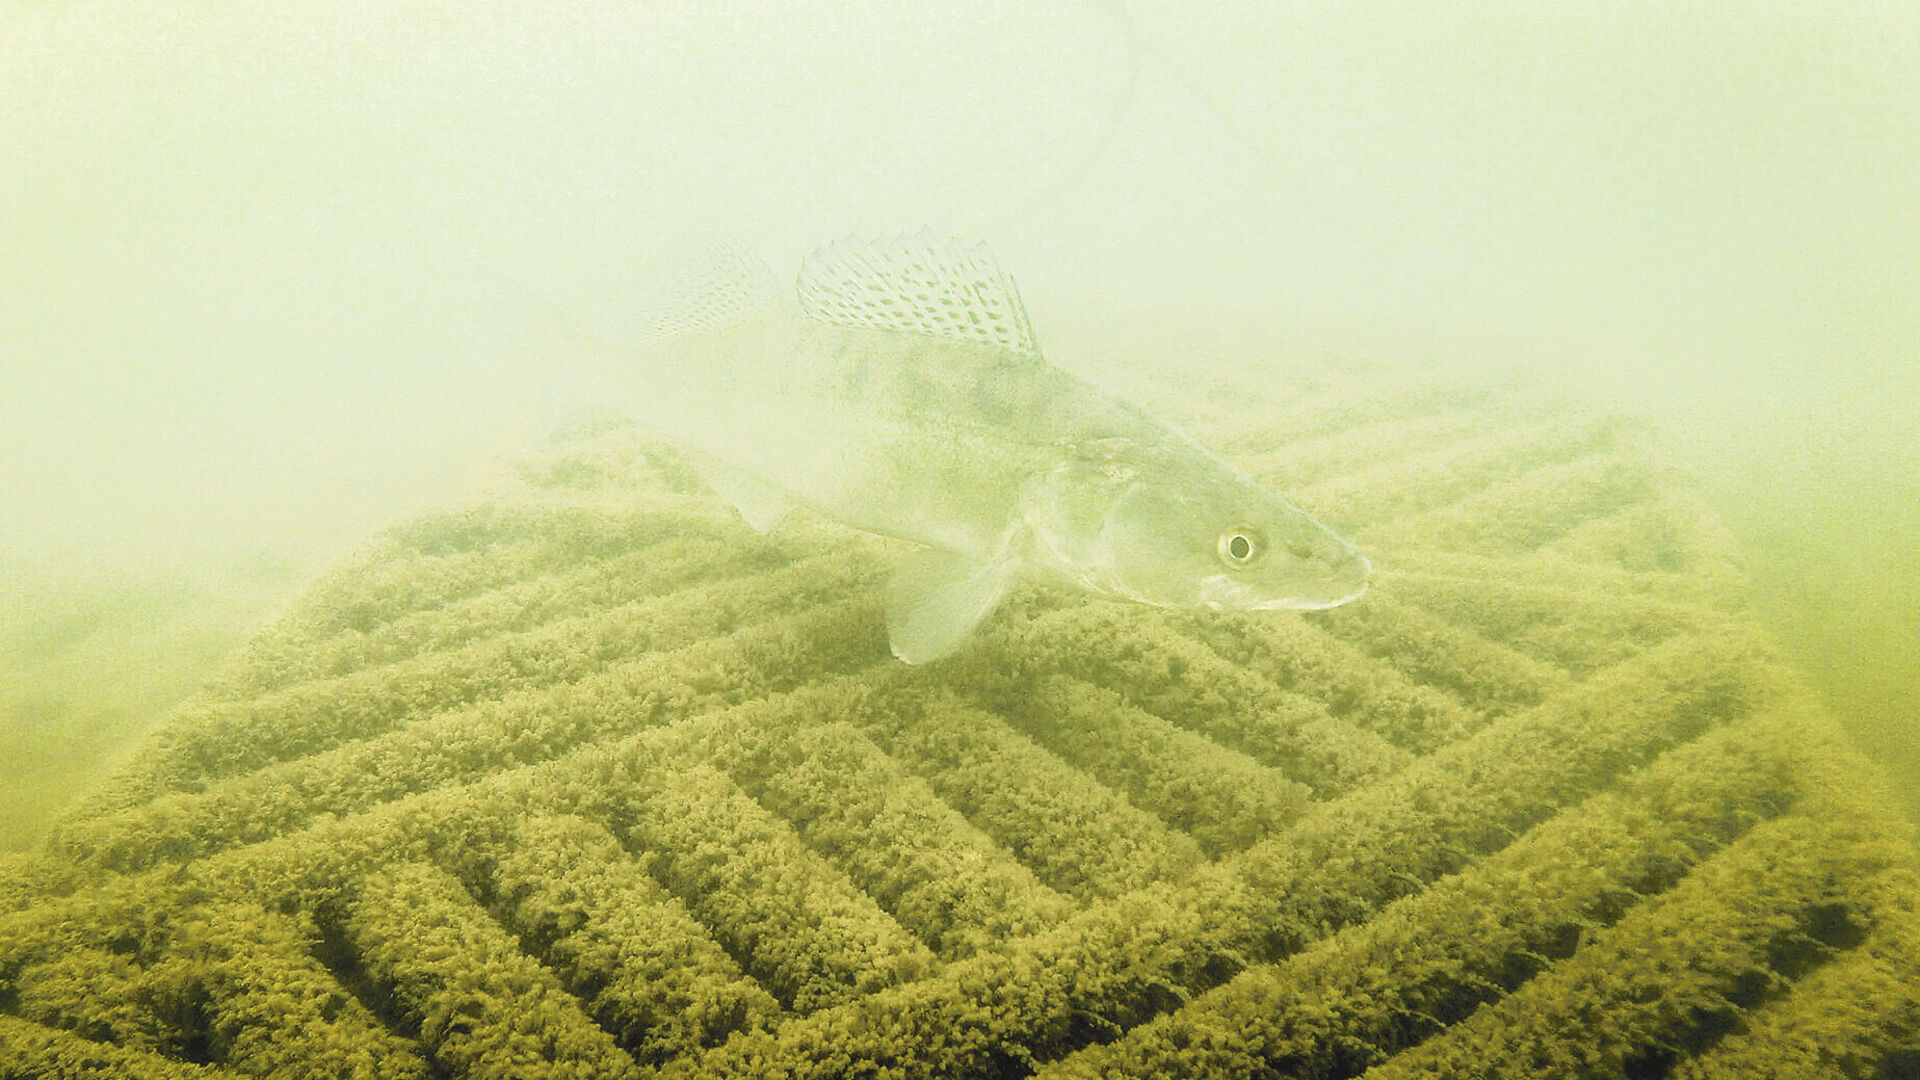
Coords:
pixel 762 504
pixel 937 599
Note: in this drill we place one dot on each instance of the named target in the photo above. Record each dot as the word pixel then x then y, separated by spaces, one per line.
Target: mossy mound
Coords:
pixel 587 779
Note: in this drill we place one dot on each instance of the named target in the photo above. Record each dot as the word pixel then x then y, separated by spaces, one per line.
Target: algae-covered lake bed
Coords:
pixel 392 684
pixel 579 775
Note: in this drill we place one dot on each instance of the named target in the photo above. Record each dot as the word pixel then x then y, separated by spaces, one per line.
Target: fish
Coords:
pixel 898 387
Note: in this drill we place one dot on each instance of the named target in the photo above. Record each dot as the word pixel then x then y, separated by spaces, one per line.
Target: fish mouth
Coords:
pixel 1345 582
pixel 1304 604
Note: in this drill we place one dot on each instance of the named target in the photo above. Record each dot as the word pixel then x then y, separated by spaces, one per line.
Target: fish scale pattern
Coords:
pixel 586 779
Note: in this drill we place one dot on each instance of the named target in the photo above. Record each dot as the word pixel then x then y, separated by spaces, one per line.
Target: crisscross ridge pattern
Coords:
pixel 586 779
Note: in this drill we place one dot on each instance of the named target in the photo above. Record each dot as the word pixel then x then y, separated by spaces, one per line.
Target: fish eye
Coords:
pixel 1241 547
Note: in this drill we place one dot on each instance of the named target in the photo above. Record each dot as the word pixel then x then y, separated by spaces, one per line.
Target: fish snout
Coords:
pixel 1357 572
pixel 1346 580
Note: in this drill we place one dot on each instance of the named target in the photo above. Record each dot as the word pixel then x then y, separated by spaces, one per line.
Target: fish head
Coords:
pixel 1175 535
pixel 1270 554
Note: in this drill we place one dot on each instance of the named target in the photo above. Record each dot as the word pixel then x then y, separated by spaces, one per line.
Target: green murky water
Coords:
pixel 310 623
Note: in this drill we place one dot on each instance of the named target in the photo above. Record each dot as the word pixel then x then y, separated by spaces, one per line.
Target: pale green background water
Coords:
pixel 271 273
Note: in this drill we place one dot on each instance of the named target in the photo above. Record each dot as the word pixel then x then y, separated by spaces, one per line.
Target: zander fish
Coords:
pixel 900 389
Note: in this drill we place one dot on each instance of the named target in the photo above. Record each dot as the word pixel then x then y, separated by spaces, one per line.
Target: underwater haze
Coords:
pixel 273 273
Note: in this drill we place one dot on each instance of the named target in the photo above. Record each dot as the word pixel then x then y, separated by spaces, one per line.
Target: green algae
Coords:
pixel 587 779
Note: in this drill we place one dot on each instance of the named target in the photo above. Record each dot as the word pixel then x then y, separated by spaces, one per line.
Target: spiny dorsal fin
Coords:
pixel 730 284
pixel 918 285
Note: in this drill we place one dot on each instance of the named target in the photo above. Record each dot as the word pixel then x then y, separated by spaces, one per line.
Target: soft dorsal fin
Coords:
pixel 730 284
pixel 918 285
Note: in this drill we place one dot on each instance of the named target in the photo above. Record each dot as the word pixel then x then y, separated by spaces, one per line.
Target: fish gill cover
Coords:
pixel 589 779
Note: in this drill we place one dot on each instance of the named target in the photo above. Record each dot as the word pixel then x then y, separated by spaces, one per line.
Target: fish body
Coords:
pixel 899 389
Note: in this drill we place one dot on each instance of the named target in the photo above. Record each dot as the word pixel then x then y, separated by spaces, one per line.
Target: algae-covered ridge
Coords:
pixel 586 778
